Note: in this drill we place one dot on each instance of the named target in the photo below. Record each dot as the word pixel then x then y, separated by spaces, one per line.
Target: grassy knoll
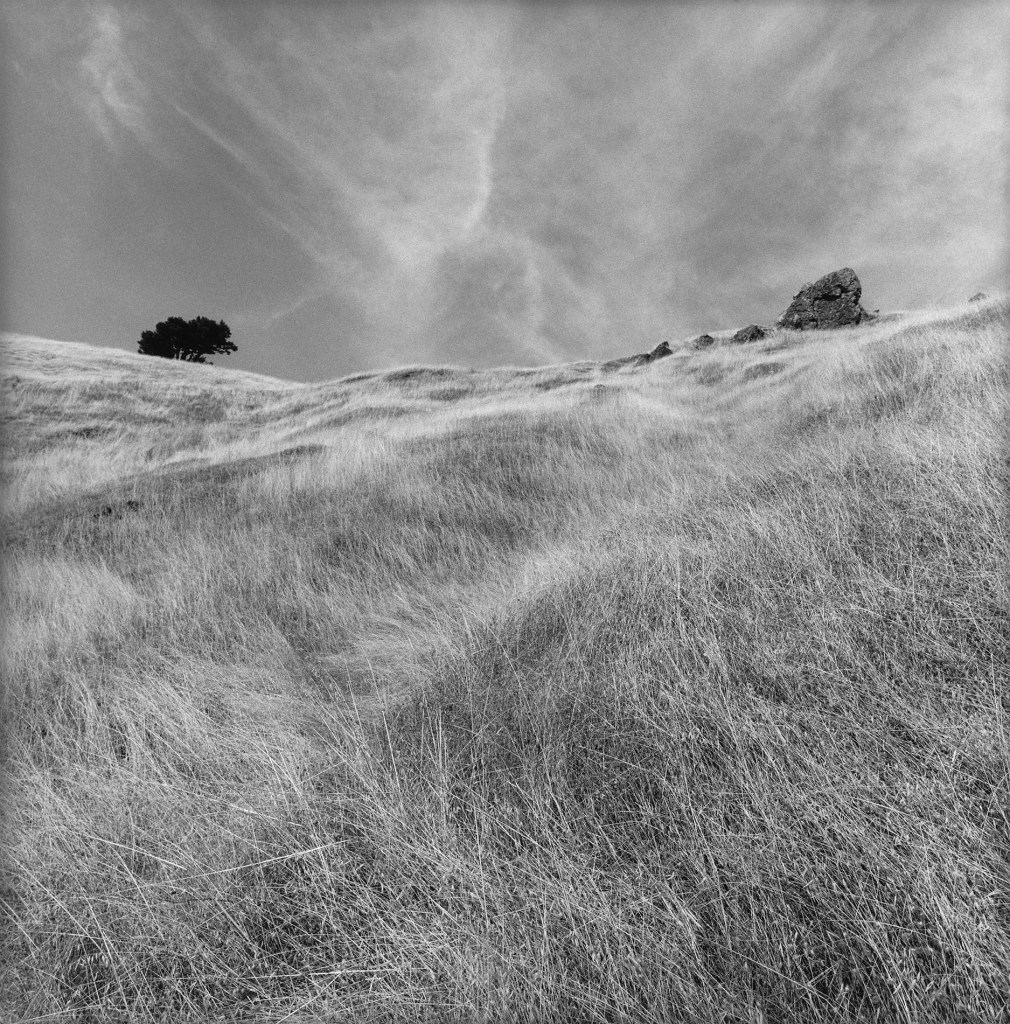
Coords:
pixel 671 693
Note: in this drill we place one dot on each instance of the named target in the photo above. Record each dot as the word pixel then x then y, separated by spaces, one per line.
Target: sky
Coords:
pixel 355 186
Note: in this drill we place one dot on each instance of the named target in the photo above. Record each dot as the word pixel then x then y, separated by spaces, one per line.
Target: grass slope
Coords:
pixel 671 693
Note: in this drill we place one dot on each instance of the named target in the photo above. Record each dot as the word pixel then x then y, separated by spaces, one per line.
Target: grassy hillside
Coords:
pixel 669 693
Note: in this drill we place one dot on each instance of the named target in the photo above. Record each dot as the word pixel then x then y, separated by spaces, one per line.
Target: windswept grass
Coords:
pixel 669 693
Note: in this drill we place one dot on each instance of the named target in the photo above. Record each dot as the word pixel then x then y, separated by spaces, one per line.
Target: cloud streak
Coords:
pixel 113 93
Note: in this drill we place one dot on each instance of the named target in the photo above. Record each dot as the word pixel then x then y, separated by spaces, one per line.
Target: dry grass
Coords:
pixel 671 693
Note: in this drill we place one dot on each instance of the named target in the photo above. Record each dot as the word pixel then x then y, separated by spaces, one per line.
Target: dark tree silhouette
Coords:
pixel 191 340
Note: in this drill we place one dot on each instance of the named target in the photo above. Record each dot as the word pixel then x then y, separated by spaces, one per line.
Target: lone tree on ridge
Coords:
pixel 190 340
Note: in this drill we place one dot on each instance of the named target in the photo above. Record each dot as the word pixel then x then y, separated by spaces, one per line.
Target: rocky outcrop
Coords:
pixel 703 341
pixel 831 301
pixel 979 297
pixel 751 333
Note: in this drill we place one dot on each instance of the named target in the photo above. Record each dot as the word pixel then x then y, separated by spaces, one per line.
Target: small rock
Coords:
pixel 703 341
pixel 831 301
pixel 751 333
pixel 979 297
pixel 661 350
pixel 117 512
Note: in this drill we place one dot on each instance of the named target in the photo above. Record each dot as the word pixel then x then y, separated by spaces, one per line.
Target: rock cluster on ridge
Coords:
pixel 703 341
pixel 831 301
pixel 979 297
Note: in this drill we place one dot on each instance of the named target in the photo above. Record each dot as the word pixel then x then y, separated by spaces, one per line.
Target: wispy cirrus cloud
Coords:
pixel 113 94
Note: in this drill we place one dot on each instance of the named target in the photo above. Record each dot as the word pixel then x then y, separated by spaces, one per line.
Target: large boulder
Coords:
pixel 831 301
pixel 703 341
pixel 751 333
pixel 979 297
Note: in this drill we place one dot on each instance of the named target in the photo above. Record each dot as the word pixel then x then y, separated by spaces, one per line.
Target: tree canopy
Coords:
pixel 190 340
